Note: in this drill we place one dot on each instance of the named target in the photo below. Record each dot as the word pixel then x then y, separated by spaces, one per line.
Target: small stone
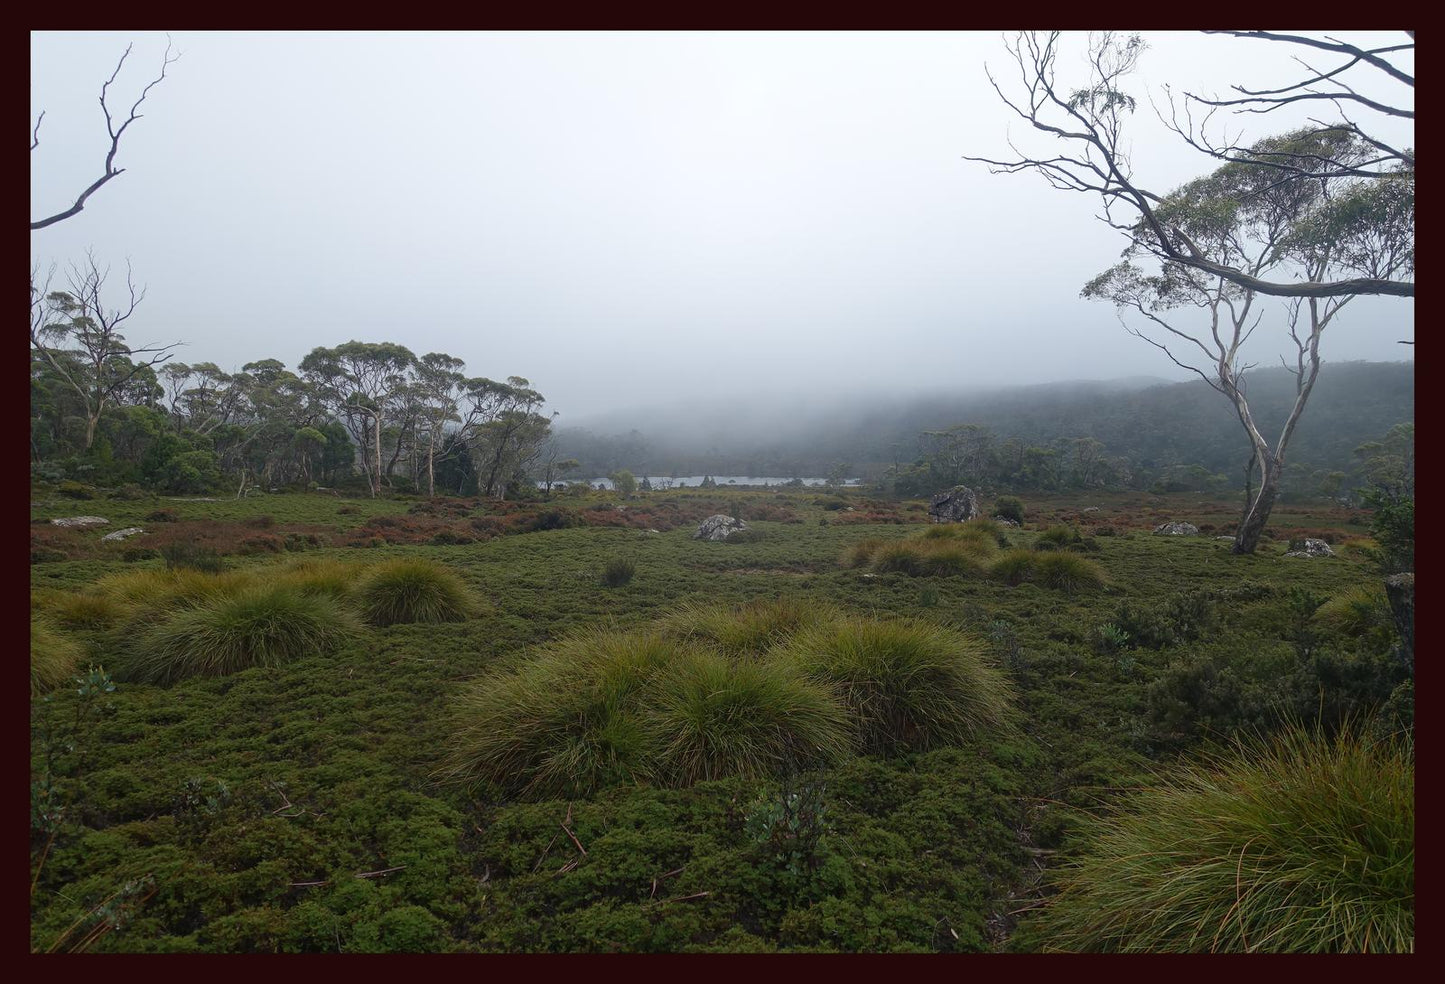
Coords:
pixel 1309 547
pixel 121 534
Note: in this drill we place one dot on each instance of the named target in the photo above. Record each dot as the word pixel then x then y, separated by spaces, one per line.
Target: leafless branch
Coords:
pixel 110 171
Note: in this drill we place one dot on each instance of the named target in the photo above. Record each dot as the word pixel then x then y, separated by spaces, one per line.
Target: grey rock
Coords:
pixel 1309 547
pixel 1176 529
pixel 718 527
pixel 957 505
pixel 121 534
pixel 81 521
pixel 1089 509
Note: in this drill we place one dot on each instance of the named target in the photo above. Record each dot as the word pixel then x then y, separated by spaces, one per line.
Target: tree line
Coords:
pixel 366 413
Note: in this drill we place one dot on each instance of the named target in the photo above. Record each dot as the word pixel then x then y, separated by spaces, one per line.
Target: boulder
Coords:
pixel 1176 529
pixel 1309 547
pixel 1089 509
pixel 718 527
pixel 118 535
pixel 957 505
pixel 81 521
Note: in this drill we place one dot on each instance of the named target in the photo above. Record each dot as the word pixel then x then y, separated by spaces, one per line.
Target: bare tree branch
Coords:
pixel 115 133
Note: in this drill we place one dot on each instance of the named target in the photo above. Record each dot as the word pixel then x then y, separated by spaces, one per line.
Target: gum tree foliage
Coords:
pixel 1087 126
pixel 77 336
pixel 1256 219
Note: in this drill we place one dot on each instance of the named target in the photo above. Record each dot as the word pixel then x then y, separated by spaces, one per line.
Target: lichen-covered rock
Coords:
pixel 718 527
pixel 957 505
pixel 1309 547
pixel 118 535
pixel 81 521
pixel 1176 529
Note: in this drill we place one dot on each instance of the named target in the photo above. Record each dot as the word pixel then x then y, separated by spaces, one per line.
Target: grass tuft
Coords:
pixel 1067 572
pixel 712 717
pixel 909 685
pixel 54 658
pixel 407 590
pixel 1295 845
pixel 751 629
pixel 263 626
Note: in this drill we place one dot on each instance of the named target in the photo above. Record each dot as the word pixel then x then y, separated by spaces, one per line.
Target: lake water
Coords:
pixel 693 481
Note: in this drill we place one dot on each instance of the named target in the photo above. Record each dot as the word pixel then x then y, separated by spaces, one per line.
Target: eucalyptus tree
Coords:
pixel 509 431
pixel 1269 225
pixel 77 335
pixel 359 382
pixel 1086 127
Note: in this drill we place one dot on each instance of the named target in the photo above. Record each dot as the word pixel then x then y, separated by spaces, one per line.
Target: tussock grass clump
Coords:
pixel 929 558
pixel 617 572
pixel 77 609
pixel 908 685
pixel 565 723
pixel 985 531
pixel 147 597
pixel 1356 612
pixel 1295 845
pixel 751 629
pixel 861 553
pixel 54 657
pixel 408 590
pixel 259 626
pixel 1015 566
pixel 329 578
pixel 1067 572
pixel 712 717
pixel 1056 538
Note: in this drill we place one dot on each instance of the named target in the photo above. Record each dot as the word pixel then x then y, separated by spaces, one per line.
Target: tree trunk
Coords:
pixel 376 488
pixel 431 475
pixel 1256 514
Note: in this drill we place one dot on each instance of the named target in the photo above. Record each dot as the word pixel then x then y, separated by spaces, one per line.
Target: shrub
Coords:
pixel 751 629
pixel 1015 566
pixel 348 511
pixel 1056 538
pixel 132 555
pixel 76 490
pixel 1296 845
pixel 262 543
pixel 413 591
pixel 750 535
pixel 1067 572
pixel 1009 507
pixel 908 685
pixel 451 538
pixel 190 556
pixel 712 717
pixel 163 516
pixel 262 626
pixel 619 571
pixel 557 519
pixel 1186 616
pixel 259 522
pixel 54 658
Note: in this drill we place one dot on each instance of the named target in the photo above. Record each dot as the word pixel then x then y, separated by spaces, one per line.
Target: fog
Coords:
pixel 633 222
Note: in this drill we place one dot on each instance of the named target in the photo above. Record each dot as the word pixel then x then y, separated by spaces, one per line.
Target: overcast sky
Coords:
pixel 624 219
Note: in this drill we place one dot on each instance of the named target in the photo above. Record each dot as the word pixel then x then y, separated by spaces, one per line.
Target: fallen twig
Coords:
pixel 666 874
pixel 574 839
pixel 311 884
pixel 543 856
pixel 378 874
pixel 684 898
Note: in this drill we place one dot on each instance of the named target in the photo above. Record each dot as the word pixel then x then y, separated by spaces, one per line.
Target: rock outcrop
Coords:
pixel 1176 529
pixel 118 535
pixel 1309 547
pixel 81 521
pixel 957 505
pixel 718 527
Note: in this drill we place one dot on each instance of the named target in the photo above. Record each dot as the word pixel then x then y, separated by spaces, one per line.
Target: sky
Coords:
pixel 627 220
